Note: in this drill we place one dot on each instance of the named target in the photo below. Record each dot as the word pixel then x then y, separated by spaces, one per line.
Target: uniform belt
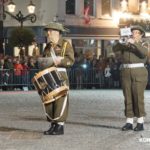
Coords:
pixel 137 65
pixel 61 69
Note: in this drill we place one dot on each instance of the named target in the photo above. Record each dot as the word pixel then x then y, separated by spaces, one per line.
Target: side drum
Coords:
pixel 49 85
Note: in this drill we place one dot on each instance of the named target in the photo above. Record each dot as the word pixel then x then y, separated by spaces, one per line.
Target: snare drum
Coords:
pixel 49 85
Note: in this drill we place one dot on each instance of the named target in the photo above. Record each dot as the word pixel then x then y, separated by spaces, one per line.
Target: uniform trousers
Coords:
pixel 57 110
pixel 134 81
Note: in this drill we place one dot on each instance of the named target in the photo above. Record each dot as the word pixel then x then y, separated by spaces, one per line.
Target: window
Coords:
pixel 83 46
pixel 106 8
pixel 70 7
pixel 89 4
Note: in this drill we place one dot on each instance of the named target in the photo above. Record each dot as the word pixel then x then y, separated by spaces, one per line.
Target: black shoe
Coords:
pixel 50 130
pixel 58 130
pixel 127 126
pixel 139 127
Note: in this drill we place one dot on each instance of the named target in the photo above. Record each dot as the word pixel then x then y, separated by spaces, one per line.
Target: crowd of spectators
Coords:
pixel 95 73
pixel 16 73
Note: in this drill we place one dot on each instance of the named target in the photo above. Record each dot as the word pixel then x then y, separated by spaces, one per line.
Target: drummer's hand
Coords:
pixel 57 61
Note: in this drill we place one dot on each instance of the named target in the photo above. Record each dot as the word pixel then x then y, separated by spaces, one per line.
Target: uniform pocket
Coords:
pixel 141 79
pixel 141 75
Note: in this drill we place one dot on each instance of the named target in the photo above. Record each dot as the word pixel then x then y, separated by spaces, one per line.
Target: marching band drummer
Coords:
pixel 134 77
pixel 64 58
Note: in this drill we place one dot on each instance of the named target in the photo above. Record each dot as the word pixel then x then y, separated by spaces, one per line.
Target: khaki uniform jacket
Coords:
pixel 63 49
pixel 136 53
pixel 133 53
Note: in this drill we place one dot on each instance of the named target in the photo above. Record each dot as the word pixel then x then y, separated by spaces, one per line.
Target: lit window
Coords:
pixel 106 8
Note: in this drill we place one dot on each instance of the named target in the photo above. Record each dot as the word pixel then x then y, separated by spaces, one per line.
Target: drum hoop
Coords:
pixel 43 72
pixel 52 96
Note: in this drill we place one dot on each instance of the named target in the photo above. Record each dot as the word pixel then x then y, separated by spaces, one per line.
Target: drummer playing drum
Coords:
pixel 62 55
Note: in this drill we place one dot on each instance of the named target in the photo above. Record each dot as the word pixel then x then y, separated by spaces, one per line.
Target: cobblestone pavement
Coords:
pixel 94 123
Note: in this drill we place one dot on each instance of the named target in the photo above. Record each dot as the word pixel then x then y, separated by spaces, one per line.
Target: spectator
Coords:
pixel 32 64
pixel 116 74
pixel 25 75
pixel 1 71
pixel 17 74
pixel 8 76
pixel 107 74
pixel 100 67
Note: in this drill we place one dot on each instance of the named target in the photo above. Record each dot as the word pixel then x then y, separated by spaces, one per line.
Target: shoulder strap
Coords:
pixel 64 49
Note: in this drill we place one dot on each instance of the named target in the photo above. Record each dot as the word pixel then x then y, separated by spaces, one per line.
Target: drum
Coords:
pixel 49 85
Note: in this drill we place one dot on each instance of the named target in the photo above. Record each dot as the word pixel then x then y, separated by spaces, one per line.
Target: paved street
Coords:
pixel 94 123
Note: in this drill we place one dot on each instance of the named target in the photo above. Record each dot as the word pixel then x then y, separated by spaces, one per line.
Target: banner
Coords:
pixel 86 14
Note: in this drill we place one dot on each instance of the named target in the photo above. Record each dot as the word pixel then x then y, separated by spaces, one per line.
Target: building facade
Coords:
pixel 93 24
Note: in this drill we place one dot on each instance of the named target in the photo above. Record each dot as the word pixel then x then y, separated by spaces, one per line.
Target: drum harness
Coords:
pixel 59 70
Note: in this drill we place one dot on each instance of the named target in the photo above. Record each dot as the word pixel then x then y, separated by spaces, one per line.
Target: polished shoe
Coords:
pixel 127 126
pixel 50 130
pixel 139 127
pixel 58 130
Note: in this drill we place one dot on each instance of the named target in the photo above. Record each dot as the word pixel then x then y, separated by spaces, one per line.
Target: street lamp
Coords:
pixel 19 16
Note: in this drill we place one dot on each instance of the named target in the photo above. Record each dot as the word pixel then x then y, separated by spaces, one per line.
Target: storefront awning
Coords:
pixel 93 32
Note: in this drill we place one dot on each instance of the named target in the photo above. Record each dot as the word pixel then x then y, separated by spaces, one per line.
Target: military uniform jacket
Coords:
pixel 62 49
pixel 131 54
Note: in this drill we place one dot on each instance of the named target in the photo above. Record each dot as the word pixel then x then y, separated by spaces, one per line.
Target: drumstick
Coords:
pixel 53 54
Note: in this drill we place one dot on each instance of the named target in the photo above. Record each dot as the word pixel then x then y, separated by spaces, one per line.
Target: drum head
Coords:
pixel 45 62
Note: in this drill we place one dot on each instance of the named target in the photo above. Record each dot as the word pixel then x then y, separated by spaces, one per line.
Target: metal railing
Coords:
pixel 15 79
pixel 79 78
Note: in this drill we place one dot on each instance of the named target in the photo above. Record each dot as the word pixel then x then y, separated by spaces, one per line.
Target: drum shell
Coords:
pixel 49 85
